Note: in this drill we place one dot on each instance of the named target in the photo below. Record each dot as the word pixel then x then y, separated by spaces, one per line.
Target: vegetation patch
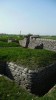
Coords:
pixel 5 37
pixel 48 37
pixel 32 59
pixel 11 44
pixel 9 90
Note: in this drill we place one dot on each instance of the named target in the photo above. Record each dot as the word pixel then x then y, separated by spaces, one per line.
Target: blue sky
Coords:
pixel 29 16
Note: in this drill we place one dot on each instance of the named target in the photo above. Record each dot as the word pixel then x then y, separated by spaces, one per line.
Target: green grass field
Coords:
pixel 48 37
pixel 11 44
pixel 5 37
pixel 32 59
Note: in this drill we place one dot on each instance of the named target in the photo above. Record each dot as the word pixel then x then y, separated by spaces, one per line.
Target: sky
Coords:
pixel 28 16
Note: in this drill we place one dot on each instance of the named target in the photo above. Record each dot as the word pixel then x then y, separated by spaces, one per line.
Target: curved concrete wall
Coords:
pixel 47 43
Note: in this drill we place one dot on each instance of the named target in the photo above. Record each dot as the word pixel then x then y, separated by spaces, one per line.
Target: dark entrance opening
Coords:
pixel 4 70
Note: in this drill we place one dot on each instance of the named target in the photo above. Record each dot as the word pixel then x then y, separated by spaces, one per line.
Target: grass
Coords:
pixel 48 37
pixel 11 91
pixel 32 59
pixel 5 37
pixel 11 44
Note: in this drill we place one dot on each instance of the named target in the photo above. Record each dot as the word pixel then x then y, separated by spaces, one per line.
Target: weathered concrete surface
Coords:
pixel 23 42
pixel 33 43
pixel 47 44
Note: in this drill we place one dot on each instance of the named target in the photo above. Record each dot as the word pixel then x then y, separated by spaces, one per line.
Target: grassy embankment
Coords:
pixel 28 57
pixel 14 38
pixel 11 91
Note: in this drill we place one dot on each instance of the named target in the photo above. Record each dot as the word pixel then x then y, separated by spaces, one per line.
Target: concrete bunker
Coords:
pixel 27 41
pixel 35 42
pixel 38 82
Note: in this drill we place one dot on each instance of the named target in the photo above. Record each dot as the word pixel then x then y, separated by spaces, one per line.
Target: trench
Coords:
pixel 40 83
pixel 43 81
pixel 4 70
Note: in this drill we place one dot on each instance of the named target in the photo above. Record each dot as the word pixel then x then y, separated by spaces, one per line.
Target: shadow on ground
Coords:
pixel 43 81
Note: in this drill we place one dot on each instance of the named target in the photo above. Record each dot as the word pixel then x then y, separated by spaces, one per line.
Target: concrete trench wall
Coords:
pixel 23 42
pixel 19 74
pixel 47 43
pixel 36 81
pixel 43 80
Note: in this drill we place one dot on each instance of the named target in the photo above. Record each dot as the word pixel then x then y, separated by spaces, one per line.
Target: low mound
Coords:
pixel 32 59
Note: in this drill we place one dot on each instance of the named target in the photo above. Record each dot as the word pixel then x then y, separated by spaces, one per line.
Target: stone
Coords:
pixel 25 70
